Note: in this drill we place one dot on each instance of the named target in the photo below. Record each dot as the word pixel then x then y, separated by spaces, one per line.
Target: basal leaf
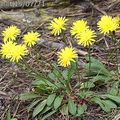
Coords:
pixel 65 74
pixel 50 99
pixel 101 78
pixel 46 109
pixel 13 119
pixel 38 82
pixel 39 108
pixel 51 76
pixel 8 115
pixel 72 107
pixel 72 69
pixel 58 101
pixel 43 81
pixel 87 85
pixel 48 115
pixel 112 97
pixel 27 96
pixel 86 93
pixel 96 67
pixel 56 71
pixel 64 109
pixel 109 103
pixel 106 105
pixel 115 88
pixel 33 104
pixel 81 109
pixel 100 103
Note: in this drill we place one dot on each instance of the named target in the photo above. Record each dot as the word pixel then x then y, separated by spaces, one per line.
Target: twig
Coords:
pixel 16 110
pixel 97 8
pixel 4 76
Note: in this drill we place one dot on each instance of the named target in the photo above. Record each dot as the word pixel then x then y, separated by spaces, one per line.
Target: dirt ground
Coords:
pixel 15 80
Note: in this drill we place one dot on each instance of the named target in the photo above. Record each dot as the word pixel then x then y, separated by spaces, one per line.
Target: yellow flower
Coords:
pixel 13 51
pixel 78 27
pixel 10 33
pixel 57 25
pixel 31 38
pixel 86 38
pixel 18 52
pixel 116 19
pixel 6 49
pixel 67 55
pixel 108 24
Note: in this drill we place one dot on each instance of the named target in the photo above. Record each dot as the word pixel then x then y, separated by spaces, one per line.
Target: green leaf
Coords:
pixel 106 105
pixel 109 103
pixel 81 109
pixel 39 108
pixel 87 85
pixel 101 78
pixel 58 101
pixel 64 109
pixel 49 83
pixel 60 85
pixel 85 93
pixel 93 60
pixel 40 77
pixel 100 103
pixel 48 115
pixel 8 115
pixel 14 119
pixel 65 74
pixel 50 99
pixel 42 81
pixel 72 69
pixel 72 107
pixel 38 82
pixel 56 71
pixel 51 76
pixel 46 109
pixel 115 88
pixel 27 96
pixel 96 67
pixel 33 104
pixel 112 97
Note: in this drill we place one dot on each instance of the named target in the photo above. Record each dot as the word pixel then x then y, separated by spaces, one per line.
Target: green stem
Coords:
pixel 115 50
pixel 68 85
pixel 64 39
pixel 89 55
pixel 79 77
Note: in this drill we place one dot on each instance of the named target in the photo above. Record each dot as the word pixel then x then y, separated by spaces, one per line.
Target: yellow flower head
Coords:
pixel 18 52
pixel 10 33
pixel 13 51
pixel 6 49
pixel 67 55
pixel 31 38
pixel 86 38
pixel 116 19
pixel 78 27
pixel 57 25
pixel 108 24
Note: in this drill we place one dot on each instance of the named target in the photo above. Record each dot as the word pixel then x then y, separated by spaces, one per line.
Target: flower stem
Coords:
pixel 64 39
pixel 89 55
pixel 116 47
